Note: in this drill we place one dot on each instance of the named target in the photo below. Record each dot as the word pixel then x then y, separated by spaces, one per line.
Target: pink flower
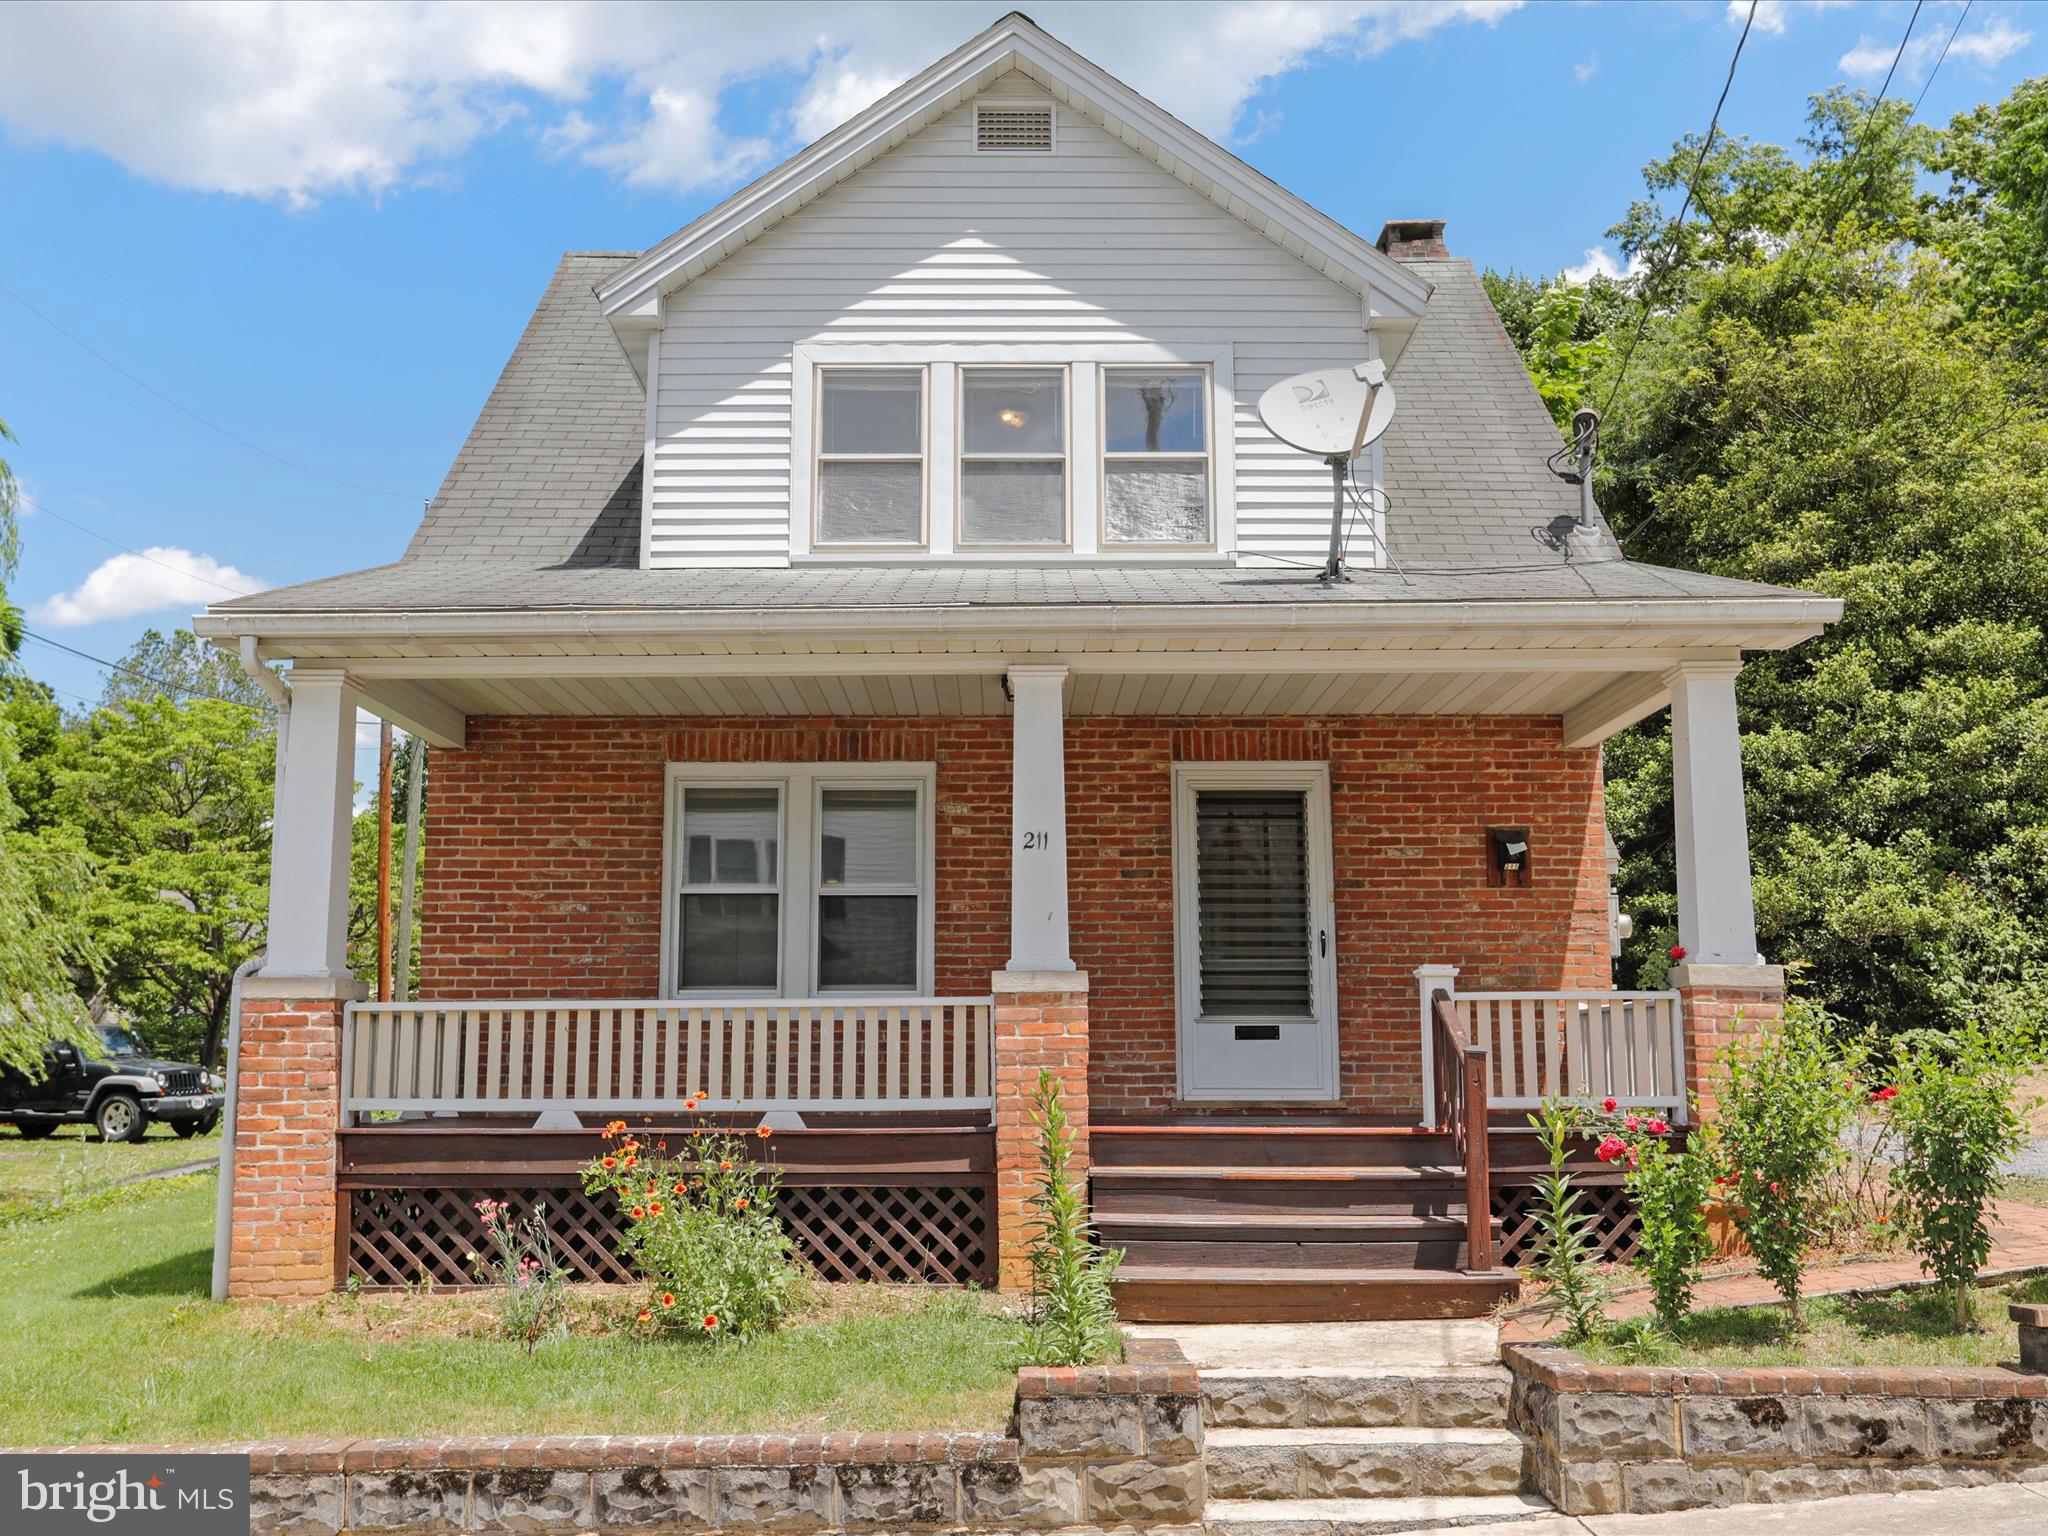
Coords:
pixel 1633 1123
pixel 1659 1128
pixel 1610 1148
pixel 1609 1106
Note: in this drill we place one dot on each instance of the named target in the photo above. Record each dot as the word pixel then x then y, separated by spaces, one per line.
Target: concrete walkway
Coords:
pixel 1351 1349
pixel 2019 1242
pixel 2004 1509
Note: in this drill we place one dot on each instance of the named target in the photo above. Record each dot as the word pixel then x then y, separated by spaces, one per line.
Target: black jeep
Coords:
pixel 118 1095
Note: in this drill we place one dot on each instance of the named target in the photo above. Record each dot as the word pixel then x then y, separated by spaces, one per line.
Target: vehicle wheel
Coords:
pixel 35 1130
pixel 197 1125
pixel 119 1118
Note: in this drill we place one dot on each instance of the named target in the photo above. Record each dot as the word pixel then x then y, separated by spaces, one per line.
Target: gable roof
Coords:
pixel 1391 293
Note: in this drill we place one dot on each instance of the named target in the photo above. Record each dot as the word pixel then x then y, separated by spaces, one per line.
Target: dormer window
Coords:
pixel 1013 128
pixel 1155 456
pixel 1013 456
pixel 871 457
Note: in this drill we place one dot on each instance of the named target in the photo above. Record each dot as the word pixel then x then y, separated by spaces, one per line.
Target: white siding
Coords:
pixel 935 244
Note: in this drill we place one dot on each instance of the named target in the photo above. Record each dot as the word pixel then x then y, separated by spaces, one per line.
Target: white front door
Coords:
pixel 1256 970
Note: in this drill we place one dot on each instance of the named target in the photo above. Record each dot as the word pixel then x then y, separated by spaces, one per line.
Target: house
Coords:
pixel 873 652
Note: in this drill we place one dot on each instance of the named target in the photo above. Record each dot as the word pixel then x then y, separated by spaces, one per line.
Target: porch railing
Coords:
pixel 1461 1094
pixel 1628 1046
pixel 927 1053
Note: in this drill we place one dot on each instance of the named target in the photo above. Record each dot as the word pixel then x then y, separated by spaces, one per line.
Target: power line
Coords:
pixel 29 501
pixel 1942 58
pixel 1691 187
pixel 1870 117
pixel 186 410
pixel 116 666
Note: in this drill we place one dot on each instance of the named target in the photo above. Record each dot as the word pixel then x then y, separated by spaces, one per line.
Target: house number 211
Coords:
pixel 1037 842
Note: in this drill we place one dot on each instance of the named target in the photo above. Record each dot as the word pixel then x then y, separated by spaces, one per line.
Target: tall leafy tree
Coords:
pixel 183 666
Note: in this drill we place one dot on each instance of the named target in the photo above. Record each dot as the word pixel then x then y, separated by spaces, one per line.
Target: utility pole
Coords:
pixel 415 780
pixel 384 863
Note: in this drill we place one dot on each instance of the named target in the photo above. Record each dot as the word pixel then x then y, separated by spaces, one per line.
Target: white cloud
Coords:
pixel 303 101
pixel 1586 68
pixel 158 578
pixel 1772 16
pixel 1599 263
pixel 1988 46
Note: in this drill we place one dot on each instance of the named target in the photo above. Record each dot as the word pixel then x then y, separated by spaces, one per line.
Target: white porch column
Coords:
pixel 310 831
pixel 1716 916
pixel 1429 980
pixel 1038 820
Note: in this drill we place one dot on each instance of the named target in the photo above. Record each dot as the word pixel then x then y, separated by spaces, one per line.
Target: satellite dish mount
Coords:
pixel 1335 414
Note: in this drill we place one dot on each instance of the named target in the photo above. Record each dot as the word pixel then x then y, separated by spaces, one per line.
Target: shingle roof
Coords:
pixel 550 474
pixel 542 506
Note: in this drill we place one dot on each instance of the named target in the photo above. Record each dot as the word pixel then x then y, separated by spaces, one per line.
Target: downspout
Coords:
pixel 224 1196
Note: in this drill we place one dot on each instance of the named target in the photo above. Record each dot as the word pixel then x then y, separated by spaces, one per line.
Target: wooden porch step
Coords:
pixel 1279 1226
pixel 1213 1293
pixel 1256 1144
pixel 1170 1188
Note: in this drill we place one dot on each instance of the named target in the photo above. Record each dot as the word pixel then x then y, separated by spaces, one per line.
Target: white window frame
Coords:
pixel 1065 459
pixel 819 457
pixel 801 787
pixel 1314 780
pixel 1022 104
pixel 1103 458
pixel 1083 360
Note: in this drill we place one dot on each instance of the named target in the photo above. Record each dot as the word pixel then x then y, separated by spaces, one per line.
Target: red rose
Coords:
pixel 1658 1128
pixel 1610 1148
pixel 1884 1095
pixel 1633 1123
pixel 1677 953
pixel 1609 1106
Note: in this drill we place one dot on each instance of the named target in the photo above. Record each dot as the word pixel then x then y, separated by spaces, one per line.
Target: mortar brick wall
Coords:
pixel 287 1111
pixel 544 869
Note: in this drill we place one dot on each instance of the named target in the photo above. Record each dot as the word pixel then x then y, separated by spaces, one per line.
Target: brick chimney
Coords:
pixel 1413 239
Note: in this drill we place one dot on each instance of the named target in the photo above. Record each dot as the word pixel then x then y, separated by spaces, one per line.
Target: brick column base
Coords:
pixel 287 1113
pixel 1041 1021
pixel 1722 1004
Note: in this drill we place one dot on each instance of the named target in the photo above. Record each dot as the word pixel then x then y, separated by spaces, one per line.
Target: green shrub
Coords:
pixel 701 1231
pixel 1073 1301
pixel 1574 1291
pixel 1955 1111
pixel 1784 1097
pixel 1669 1188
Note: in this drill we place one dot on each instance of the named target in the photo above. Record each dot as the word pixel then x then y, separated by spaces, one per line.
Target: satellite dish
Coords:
pixel 1332 413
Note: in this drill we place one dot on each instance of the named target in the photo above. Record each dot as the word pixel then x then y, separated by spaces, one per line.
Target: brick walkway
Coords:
pixel 2019 1241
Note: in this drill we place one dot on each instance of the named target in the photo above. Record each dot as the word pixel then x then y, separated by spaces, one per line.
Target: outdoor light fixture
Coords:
pixel 1507 856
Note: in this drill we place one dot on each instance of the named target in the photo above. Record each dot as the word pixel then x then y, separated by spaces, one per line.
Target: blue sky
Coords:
pixel 323 227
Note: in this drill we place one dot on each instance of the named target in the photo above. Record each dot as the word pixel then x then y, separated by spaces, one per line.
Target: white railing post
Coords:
pixel 1429 980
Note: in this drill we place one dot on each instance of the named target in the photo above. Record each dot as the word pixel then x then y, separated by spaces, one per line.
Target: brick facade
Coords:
pixel 1040 1025
pixel 544 868
pixel 1720 1005
pixel 286 1115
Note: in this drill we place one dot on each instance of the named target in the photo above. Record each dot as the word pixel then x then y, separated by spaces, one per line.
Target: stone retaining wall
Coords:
pixel 1117 1445
pixel 1609 1439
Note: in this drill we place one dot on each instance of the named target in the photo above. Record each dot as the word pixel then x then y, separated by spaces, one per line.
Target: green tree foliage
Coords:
pixel 1835 392
pixel 173 801
pixel 45 941
pixel 185 667
pixel 1563 331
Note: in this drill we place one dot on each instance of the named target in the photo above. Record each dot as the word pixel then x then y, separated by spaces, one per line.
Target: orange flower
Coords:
pixel 725 1167
pixel 646 1315
pixel 613 1128
pixel 631 1160
pixel 763 1132
pixel 668 1298
pixel 639 1211
pixel 740 1204
pixel 610 1162
pixel 681 1188
pixel 690 1104
pixel 710 1323
pixel 654 1207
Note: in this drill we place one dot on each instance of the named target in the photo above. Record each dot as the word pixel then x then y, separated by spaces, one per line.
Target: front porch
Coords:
pixel 874 931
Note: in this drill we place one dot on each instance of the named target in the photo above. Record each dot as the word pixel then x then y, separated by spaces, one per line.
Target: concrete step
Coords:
pixel 1354 1463
pixel 1367 1517
pixel 1441 1397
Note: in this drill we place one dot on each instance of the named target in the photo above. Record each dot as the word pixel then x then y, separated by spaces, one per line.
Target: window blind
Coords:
pixel 1252 901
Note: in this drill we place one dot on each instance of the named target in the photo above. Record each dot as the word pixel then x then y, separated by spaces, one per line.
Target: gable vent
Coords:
pixel 1013 128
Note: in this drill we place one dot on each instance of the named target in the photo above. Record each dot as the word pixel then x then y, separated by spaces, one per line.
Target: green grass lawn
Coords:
pixel 70 1165
pixel 108 1335
pixel 1900 1328
pixel 2026 1188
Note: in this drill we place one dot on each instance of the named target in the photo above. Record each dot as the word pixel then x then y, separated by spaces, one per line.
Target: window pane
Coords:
pixel 730 836
pixel 865 503
pixel 871 410
pixel 1251 879
pixel 867 837
pixel 729 941
pixel 1011 410
pixel 1155 501
pixel 1159 412
pixel 1021 503
pixel 867 941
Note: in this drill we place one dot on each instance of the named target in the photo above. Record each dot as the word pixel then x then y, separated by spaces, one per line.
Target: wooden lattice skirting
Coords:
pixel 905 1234
pixel 1615 1230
